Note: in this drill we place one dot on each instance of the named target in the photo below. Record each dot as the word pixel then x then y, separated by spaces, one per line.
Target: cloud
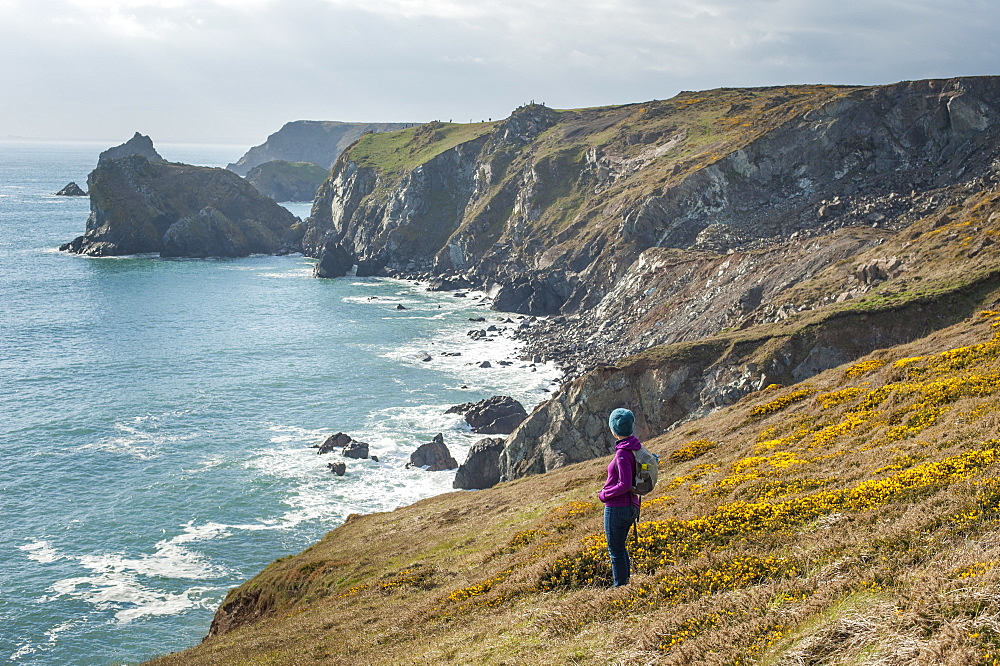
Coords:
pixel 201 69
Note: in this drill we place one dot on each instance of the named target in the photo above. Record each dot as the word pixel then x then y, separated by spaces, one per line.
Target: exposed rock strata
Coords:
pixel 139 206
pixel 500 206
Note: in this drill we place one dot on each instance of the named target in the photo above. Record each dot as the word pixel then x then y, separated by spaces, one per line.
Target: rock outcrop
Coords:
pixel 315 141
pixel 287 181
pixel 71 190
pixel 333 262
pixel 139 206
pixel 481 468
pixel 498 415
pixel 434 456
pixel 139 144
pixel 347 445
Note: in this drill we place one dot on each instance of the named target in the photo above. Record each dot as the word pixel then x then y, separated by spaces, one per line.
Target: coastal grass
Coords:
pixel 849 519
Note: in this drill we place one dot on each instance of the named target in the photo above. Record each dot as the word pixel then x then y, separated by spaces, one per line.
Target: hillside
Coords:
pixel 797 290
pixel 287 181
pixel 849 519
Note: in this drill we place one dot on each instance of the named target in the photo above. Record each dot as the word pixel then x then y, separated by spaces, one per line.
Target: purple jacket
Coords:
pixel 617 490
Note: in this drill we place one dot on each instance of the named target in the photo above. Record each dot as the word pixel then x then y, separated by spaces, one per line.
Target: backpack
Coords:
pixel 645 471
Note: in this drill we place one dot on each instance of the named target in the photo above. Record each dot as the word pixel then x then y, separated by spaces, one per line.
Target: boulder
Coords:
pixel 497 415
pixel 449 284
pixel 333 442
pixel 349 446
pixel 337 468
pixel 357 450
pixel 481 468
pixel 71 190
pixel 434 456
pixel 335 261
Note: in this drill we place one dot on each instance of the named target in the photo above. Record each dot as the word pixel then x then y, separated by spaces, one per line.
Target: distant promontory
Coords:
pixel 317 141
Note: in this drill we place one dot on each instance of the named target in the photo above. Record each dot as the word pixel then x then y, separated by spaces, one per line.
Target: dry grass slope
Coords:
pixel 852 519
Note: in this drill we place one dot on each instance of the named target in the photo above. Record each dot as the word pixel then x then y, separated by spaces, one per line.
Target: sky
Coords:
pixel 234 71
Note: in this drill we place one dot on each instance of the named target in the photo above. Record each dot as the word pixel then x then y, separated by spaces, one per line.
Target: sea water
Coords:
pixel 156 416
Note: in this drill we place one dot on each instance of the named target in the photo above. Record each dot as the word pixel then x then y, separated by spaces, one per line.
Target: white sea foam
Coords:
pixel 139 437
pixel 120 583
pixel 23 651
pixel 122 592
pixel 41 551
pixel 53 633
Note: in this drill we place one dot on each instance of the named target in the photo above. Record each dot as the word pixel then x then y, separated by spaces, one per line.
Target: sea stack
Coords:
pixel 140 203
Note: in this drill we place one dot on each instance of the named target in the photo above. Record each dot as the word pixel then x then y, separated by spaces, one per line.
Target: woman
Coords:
pixel 621 505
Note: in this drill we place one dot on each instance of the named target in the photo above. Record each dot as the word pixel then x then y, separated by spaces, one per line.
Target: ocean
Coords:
pixel 156 416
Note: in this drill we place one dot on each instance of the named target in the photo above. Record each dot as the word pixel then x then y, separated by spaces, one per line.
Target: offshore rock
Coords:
pixel 481 468
pixel 71 190
pixel 494 416
pixel 357 450
pixel 337 468
pixel 333 442
pixel 434 456
pixel 334 262
pixel 349 447
pixel 287 181
pixel 135 201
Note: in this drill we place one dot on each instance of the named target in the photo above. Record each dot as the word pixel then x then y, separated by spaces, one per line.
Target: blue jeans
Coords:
pixel 617 521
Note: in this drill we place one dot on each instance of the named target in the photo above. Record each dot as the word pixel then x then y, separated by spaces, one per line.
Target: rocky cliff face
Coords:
pixel 554 207
pixel 316 141
pixel 139 206
pixel 669 222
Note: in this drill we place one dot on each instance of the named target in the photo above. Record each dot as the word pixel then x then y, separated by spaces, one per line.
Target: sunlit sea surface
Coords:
pixel 156 416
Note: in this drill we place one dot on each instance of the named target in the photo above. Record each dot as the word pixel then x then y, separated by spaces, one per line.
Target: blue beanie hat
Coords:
pixel 622 422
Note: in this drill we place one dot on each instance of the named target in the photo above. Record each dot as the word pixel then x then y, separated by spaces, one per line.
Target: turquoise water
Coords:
pixel 157 414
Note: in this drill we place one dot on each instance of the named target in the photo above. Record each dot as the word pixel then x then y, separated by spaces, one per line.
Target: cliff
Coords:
pixel 287 181
pixel 553 207
pixel 315 141
pixel 140 206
